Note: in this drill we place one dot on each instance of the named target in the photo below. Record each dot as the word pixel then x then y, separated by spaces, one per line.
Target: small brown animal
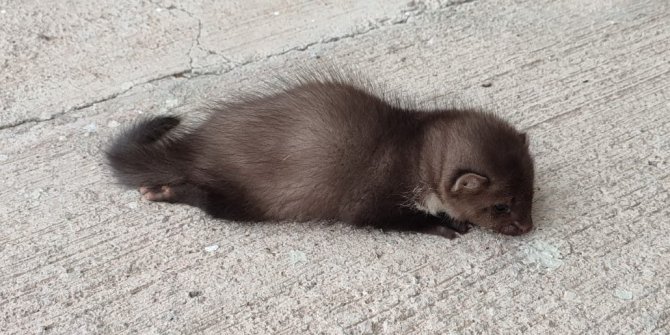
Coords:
pixel 329 150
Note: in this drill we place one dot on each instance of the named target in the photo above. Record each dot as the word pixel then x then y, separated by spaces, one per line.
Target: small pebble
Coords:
pixel 3 158
pixel 623 294
pixel 132 205
pixel 112 124
pixel 212 248
pixel 36 194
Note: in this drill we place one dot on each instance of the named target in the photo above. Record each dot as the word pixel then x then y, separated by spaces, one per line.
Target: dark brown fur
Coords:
pixel 327 150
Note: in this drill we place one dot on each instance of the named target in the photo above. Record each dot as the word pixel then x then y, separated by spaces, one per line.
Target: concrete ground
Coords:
pixel 589 81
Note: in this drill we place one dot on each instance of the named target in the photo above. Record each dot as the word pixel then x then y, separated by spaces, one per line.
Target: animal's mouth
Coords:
pixel 515 229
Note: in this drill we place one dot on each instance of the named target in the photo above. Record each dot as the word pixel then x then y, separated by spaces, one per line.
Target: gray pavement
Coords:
pixel 589 81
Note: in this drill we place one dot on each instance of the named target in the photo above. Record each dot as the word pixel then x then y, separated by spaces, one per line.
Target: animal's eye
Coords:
pixel 501 208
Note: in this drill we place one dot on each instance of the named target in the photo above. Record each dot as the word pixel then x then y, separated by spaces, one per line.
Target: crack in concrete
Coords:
pixel 85 105
pixel 190 72
pixel 196 43
pixel 196 40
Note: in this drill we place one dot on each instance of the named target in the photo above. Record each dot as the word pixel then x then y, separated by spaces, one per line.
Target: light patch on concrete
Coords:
pixel 91 128
pixel 171 103
pixel 297 256
pixel 542 253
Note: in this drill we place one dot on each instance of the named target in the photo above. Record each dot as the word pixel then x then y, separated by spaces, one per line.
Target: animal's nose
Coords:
pixel 523 227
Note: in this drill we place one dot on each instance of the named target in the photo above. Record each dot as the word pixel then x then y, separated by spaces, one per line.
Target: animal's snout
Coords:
pixel 516 228
pixel 523 227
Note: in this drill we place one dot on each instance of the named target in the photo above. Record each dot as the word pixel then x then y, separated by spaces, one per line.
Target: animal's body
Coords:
pixel 328 150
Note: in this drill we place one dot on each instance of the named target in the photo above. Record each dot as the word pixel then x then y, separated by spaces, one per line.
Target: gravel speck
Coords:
pixel 212 248
pixel 623 294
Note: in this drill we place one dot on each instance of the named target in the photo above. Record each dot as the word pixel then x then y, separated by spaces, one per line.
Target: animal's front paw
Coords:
pixel 443 231
pixel 157 193
pixel 461 227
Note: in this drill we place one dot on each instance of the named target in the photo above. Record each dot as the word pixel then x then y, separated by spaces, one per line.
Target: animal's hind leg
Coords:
pixel 181 193
pixel 157 193
pixel 215 202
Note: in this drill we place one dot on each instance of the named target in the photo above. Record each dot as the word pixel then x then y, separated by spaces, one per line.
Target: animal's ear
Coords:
pixel 470 183
pixel 524 138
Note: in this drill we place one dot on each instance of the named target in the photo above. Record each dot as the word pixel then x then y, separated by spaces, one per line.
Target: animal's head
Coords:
pixel 484 173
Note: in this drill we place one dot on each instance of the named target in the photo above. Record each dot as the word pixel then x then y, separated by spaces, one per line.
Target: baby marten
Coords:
pixel 330 150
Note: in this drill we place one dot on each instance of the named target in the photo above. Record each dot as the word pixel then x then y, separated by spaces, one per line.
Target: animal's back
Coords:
pixel 302 153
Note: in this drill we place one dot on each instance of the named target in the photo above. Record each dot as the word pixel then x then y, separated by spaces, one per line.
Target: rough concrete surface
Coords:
pixel 589 81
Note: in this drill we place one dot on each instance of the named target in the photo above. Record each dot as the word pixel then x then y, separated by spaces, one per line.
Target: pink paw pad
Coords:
pixel 157 193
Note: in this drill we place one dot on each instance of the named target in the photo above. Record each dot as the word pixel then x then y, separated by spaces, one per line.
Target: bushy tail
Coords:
pixel 146 154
